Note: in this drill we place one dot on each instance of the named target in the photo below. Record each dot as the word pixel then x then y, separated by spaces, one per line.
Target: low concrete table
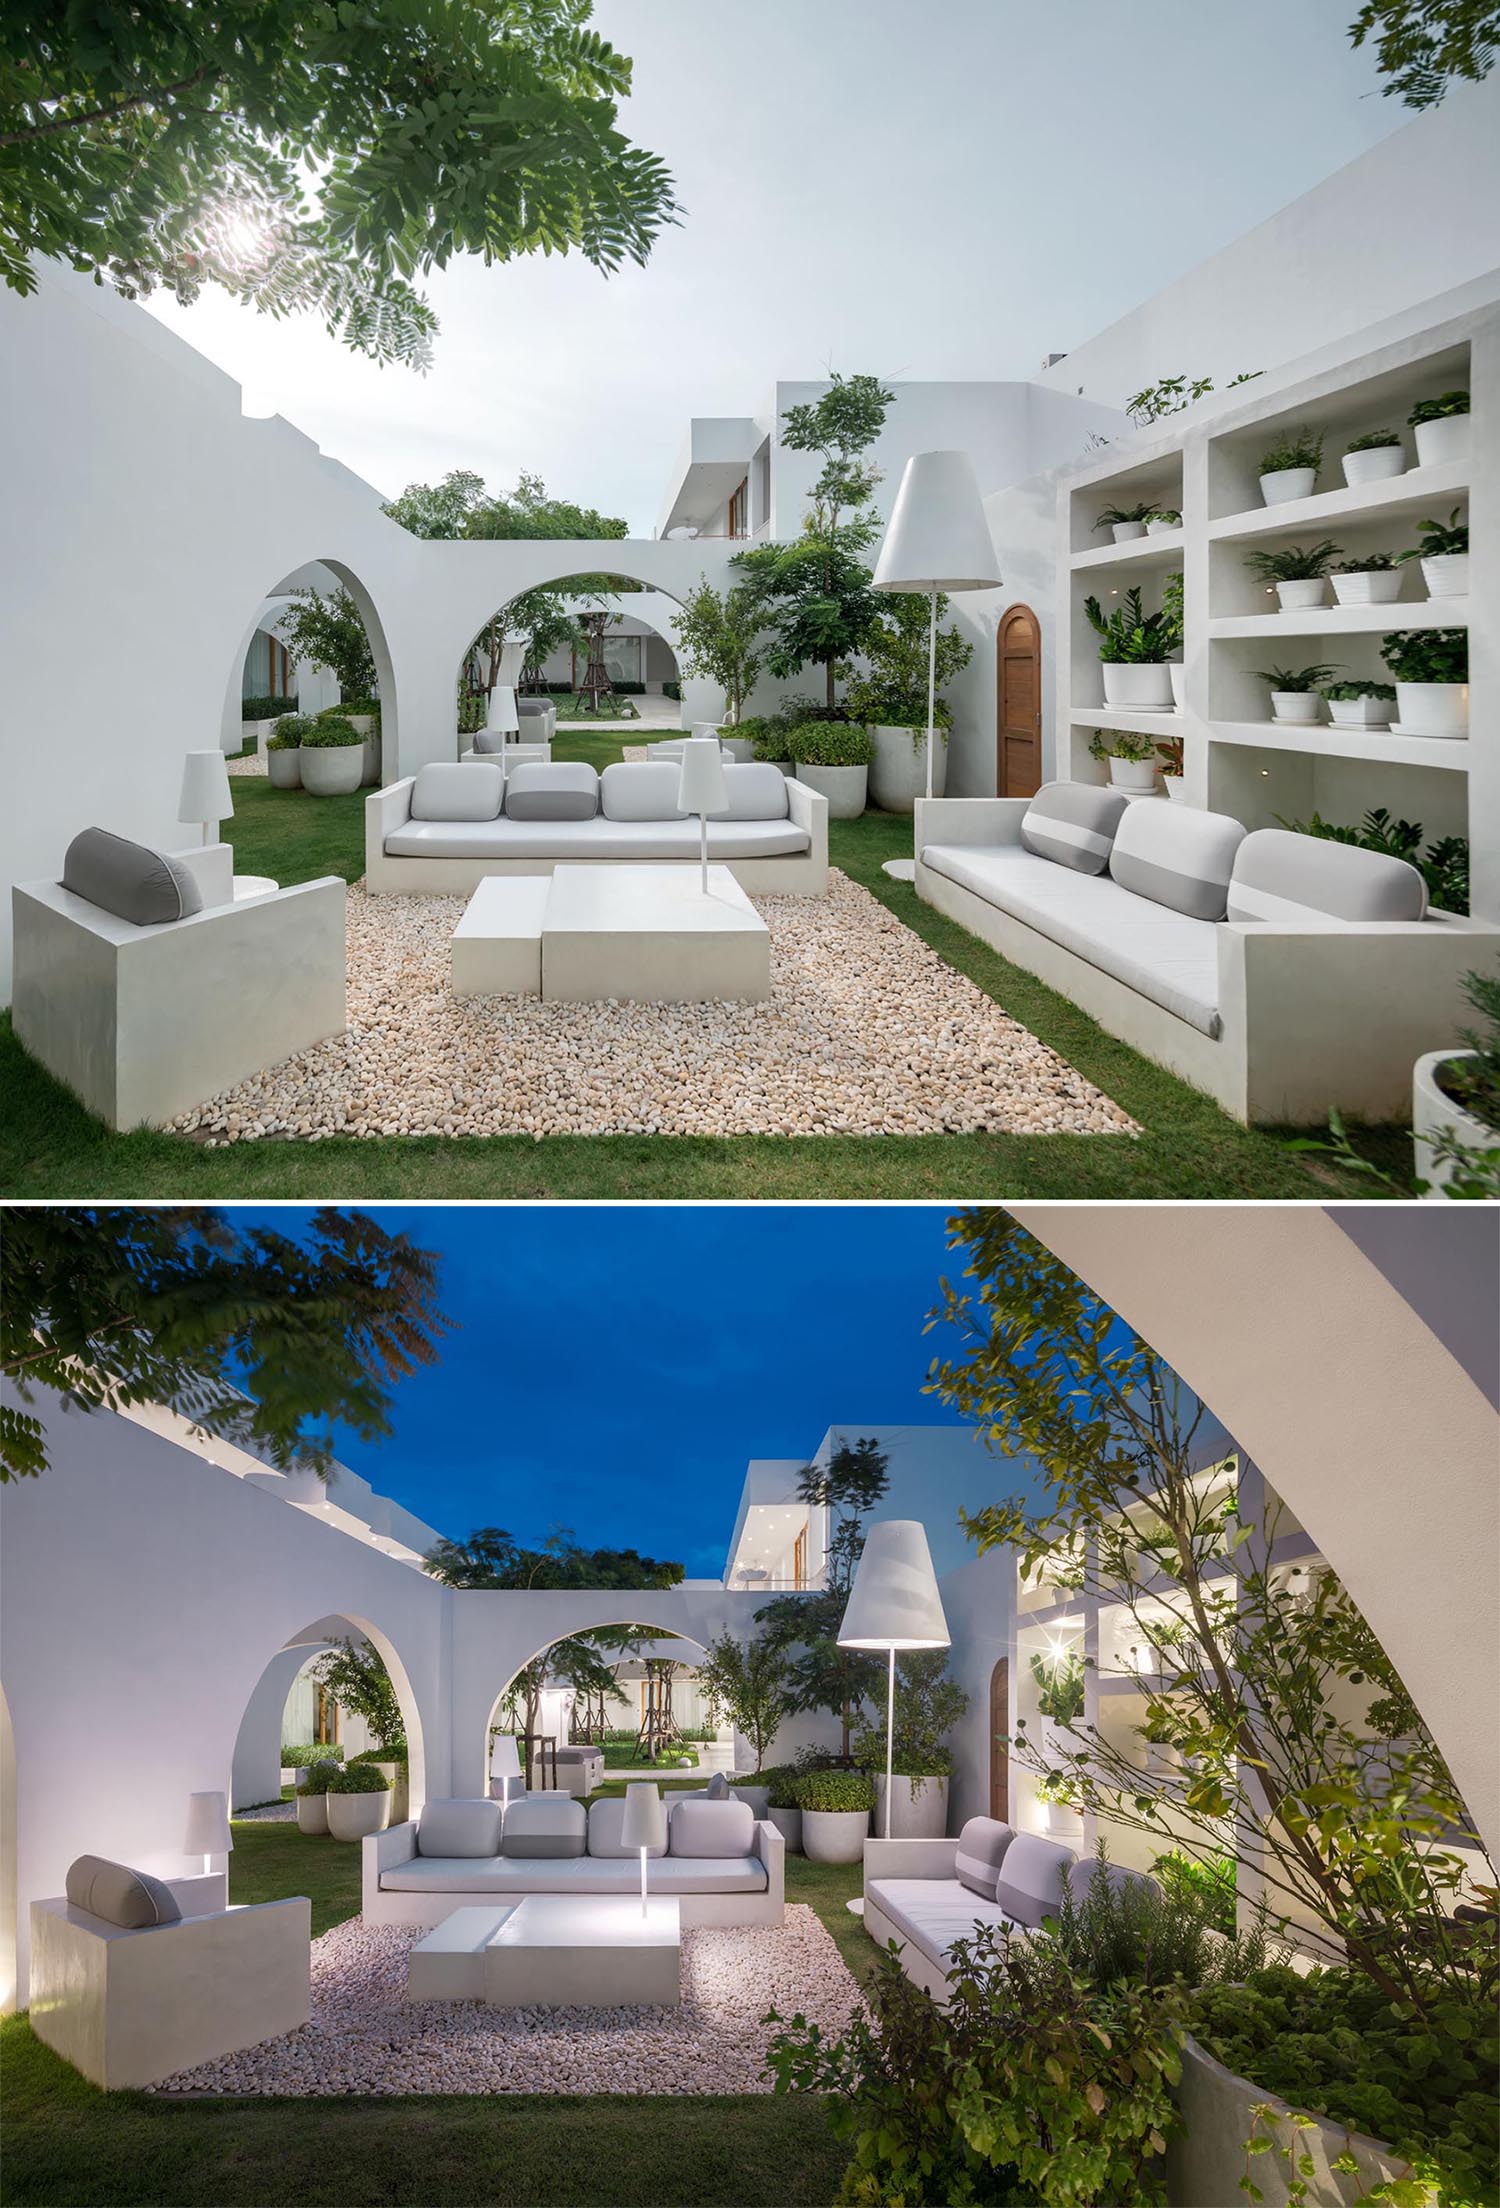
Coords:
pixel 559 1951
pixel 496 949
pixel 649 935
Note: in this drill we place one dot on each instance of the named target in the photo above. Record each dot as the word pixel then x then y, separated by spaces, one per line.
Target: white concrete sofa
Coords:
pixel 442 830
pixel 925 1894
pixel 722 1864
pixel 143 1020
pixel 1282 974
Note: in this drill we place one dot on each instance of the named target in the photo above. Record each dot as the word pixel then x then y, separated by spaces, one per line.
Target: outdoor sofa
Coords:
pixel 722 1864
pixel 1283 974
pixel 441 831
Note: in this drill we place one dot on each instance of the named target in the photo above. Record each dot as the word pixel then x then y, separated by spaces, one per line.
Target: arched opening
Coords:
pixel 600 650
pixel 1018 695
pixel 285 1696
pixel 350 667
pixel 631 1696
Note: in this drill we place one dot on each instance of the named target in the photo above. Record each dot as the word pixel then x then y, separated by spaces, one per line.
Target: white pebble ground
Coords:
pixel 868 1032
pixel 365 2037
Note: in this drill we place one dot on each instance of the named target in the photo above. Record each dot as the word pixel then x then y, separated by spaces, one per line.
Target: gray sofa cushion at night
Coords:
pixel 1279 875
pixel 1177 856
pixel 458 789
pixel 119 1895
pixel 450 1828
pixel 545 1825
pixel 1033 1878
pixel 566 790
pixel 135 883
pixel 934 1912
pixel 1073 824
pixel 981 1850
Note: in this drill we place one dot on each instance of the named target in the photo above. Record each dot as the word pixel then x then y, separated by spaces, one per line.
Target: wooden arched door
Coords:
pixel 999 1742
pixel 1018 768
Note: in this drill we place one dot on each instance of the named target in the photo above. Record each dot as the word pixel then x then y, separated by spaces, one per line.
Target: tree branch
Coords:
pixel 59 123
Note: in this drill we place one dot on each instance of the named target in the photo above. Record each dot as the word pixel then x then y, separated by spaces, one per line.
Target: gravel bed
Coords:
pixel 270 1813
pixel 867 1032
pixel 365 2037
pixel 251 764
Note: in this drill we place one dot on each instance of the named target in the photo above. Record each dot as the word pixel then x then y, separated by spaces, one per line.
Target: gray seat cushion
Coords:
pixel 981 1850
pixel 545 1825
pixel 1033 1878
pixel 119 1895
pixel 582 840
pixel 1161 954
pixel 1177 856
pixel 717 1789
pixel 711 1829
pixel 568 789
pixel 934 1912
pixel 148 888
pixel 606 1822
pixel 1073 824
pixel 458 789
pixel 582 1874
pixel 641 789
pixel 1303 880
pixel 457 1827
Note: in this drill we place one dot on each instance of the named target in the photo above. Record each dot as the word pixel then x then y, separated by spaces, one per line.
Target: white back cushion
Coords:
pixel 1279 875
pixel 543 1825
pixel 704 1828
pixel 643 789
pixel 458 1827
pixel 1073 824
pixel 458 789
pixel 982 1847
pixel 606 1821
pixel 757 791
pixel 1176 856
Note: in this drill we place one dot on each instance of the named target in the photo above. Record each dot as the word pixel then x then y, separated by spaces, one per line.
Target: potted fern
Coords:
pixel 1443 429
pixel 1290 469
pixel 1443 549
pixel 1431 669
pixel 1134 647
pixel 1125 522
pixel 1298 572
pixel 1131 760
pixel 1359 704
pixel 1373 579
pixel 1373 457
pixel 1296 692
pixel 1456 1097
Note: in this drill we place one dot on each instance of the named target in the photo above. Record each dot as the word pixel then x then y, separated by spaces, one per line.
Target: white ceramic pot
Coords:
pixel 1125 530
pixel 331 771
pixel 1295 597
pixel 396 1773
pixel 1447 576
pixel 844 788
pixel 312 1813
pixel 898 771
pixel 788 1823
pixel 919 1808
pixel 1137 689
pixel 1301 706
pixel 1377 586
pixel 834 1835
pixel 1177 676
pixel 1432 1113
pixel 1433 708
pixel 370 768
pixel 1132 774
pixel 284 769
pixel 353 1816
pixel 1175 786
pixel 1360 712
pixel 1374 464
pixel 1282 485
pixel 1441 442
pixel 1162 528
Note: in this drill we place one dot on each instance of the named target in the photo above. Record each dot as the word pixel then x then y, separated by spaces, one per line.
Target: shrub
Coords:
pixel 1475 1082
pixel 928 1706
pixel 346 706
pixel 310 1751
pixel 628 689
pixel 830 744
pixel 1427 655
pixel 357 1778
pixel 1184 1878
pixel 1438 410
pixel 393 1751
pixel 1444 865
pixel 1112 514
pixel 1438 538
pixel 1374 440
pixel 1165 513
pixel 266 709
pixel 294 729
pixel 1131 637
pixel 319 1780
pixel 672 690
pixel 832 1790
pixel 1120 744
pixel 1368 563
pixel 1342 690
pixel 1138 1933
pixel 1295 563
pixel 332 734
pixel 1302 449
pixel 282 742
pixel 1296 678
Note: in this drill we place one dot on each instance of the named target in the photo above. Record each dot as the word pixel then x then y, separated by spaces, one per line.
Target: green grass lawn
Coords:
pixel 50 1147
pixel 69 2146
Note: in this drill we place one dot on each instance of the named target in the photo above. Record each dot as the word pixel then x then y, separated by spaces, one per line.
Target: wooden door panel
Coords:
pixel 1018 766
pixel 999 1749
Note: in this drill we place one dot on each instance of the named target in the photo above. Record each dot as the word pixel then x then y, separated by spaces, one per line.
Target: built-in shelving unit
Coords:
pixel 1334 621
pixel 1324 741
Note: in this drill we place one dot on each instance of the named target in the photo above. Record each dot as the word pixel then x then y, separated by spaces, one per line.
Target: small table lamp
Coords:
pixel 505 1761
pixel 645 1823
pixel 206 798
pixel 208 1832
pixel 894 1604
pixel 701 788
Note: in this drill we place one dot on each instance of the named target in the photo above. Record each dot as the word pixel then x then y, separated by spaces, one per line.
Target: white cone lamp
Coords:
pixel 644 1824
pixel 894 1605
pixel 208 1832
pixel 503 717
pixel 505 1762
pixel 937 539
pixel 701 787
pixel 206 798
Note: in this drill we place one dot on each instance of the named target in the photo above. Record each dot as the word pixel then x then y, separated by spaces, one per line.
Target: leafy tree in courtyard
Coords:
pixel 894 691
pixel 355 1675
pixel 746 1682
pixel 820 1674
pixel 307 155
pixel 585 1662
pixel 1423 45
pixel 492 1558
pixel 460 506
pixel 330 632
pixel 717 637
pixel 248 1332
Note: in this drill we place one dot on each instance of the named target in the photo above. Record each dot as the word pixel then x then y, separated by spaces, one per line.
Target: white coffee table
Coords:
pixel 648 934
pixel 554 1951
pixel 496 949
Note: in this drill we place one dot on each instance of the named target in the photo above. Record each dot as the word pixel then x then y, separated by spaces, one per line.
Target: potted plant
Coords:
pixel 766 736
pixel 1443 429
pixel 1125 521
pixel 391 1758
pixel 1295 692
pixel 1371 458
pixel 835 1808
pixel 1371 580
pixel 1162 521
pixel 312 1798
pixel 284 752
pixel 363 716
pixel 1133 651
pixel 1431 667
pixel 1290 470
pixel 359 1798
pixel 1359 704
pixel 331 757
pixel 1443 549
pixel 1131 759
pixel 891 699
pixel 1171 607
pixel 1299 572
pixel 1170 751
pixel 833 758
pixel 1455 1099
pixel 782 1808
pixel 928 1706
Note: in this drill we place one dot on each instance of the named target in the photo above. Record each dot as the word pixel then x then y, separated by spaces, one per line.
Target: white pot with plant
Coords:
pixel 359 1801
pixel 1374 579
pixel 835 1808
pixel 1163 521
pixel 781 1806
pixel 331 757
pixel 1134 649
pixel 1295 698
pixel 898 765
pixel 1455 1105
pixel 889 697
pixel 928 1706
pixel 833 758
pixel 1443 428
pixel 1131 759
pixel 1298 573
pixel 1170 751
pixel 1290 470
pixel 284 753
pixel 312 1797
pixel 1359 704
pixel 1125 522
pixel 1443 549
pixel 1431 670
pixel 1374 457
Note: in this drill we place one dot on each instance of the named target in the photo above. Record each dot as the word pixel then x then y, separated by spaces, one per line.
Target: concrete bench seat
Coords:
pixel 583 1874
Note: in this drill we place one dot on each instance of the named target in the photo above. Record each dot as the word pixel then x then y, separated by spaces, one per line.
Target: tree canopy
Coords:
pixel 330 632
pixel 805 1628
pixel 461 506
pixel 251 1333
pixel 493 1558
pixel 316 155
pixel 1422 46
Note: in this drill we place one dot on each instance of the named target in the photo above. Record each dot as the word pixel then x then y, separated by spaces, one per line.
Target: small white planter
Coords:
pixel 788 1823
pixel 1447 576
pixel 353 1816
pixel 1374 464
pixel 312 1813
pixel 1296 597
pixel 284 769
pixel 844 788
pixel 1433 708
pixel 1137 689
pixel 1177 676
pixel 1125 530
pixel 1282 485
pixel 915 1815
pixel 1175 786
pixel 898 771
pixel 1162 528
pixel 1132 774
pixel 1377 586
pixel 329 770
pixel 1361 712
pixel 834 1835
pixel 1441 442
pixel 1300 706
pixel 1433 1113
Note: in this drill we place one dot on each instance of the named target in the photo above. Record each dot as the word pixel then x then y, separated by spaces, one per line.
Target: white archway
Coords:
pixel 385 673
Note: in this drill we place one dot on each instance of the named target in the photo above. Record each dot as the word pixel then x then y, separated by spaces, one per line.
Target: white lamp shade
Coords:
pixel 208 1830
pixel 894 1602
pixel 502 714
pixel 205 788
pixel 701 787
pixel 645 1821
pixel 937 537
pixel 505 1757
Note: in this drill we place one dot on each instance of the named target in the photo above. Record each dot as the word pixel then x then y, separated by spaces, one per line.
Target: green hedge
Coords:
pixel 830 744
pixel 331 734
pixel 302 1752
pixel 358 1778
pixel 266 709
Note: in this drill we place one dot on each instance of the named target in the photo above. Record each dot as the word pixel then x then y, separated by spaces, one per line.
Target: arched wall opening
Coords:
pixel 499 1719
pixel 537 643
pixel 256 1771
pixel 347 579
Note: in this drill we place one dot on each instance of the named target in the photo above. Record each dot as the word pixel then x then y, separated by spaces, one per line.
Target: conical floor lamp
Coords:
pixel 894 1605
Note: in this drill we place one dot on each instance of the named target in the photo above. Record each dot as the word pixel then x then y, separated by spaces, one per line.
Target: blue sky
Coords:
pixel 615 1367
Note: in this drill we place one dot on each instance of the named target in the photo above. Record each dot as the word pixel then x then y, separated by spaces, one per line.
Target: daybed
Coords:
pixel 1282 974
pixel 442 830
pixel 722 1864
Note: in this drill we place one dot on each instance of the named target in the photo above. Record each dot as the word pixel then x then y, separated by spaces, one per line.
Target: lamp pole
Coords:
pixel 890 1739
pixel 931 697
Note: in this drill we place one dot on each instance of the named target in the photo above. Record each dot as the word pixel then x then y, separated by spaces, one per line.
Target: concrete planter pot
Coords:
pixel 1133 689
pixel 1175 786
pixel 1447 575
pixel 1124 531
pixel 1376 586
pixel 919 1807
pixel 1448 439
pixel 898 772
pixel 834 1835
pixel 396 1773
pixel 1177 677
pixel 366 725
pixel 1303 591
pixel 1433 708
pixel 1374 464
pixel 1360 712
pixel 1162 528
pixel 1282 485
pixel 284 769
pixel 1301 706
pixel 312 1813
pixel 788 1823
pixel 1206 2159
pixel 353 1816
pixel 844 788
pixel 1433 1112
pixel 1132 774
pixel 331 771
